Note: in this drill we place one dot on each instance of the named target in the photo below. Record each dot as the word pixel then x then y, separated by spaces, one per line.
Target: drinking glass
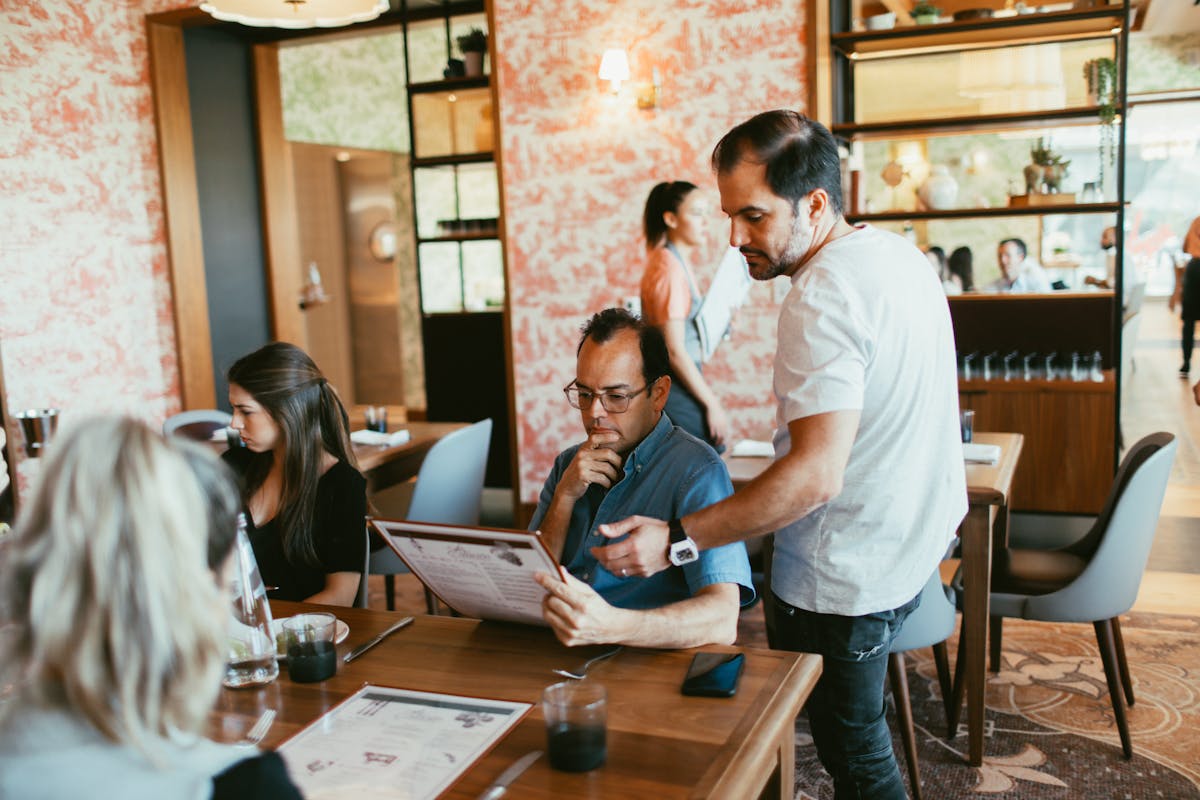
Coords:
pixel 967 423
pixel 576 721
pixel 251 660
pixel 377 418
pixel 311 652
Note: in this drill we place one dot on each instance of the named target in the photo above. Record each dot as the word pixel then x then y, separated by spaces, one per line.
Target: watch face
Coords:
pixel 683 552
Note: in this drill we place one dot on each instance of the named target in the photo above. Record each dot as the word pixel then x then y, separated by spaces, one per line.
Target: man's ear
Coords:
pixel 818 203
pixel 660 392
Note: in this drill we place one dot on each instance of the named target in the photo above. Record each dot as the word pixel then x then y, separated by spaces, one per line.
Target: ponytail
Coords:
pixel 665 197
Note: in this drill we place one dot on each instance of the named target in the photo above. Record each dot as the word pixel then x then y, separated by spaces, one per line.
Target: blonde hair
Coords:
pixel 107 579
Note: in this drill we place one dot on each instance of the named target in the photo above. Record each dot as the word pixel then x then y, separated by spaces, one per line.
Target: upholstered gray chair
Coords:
pixel 1096 578
pixel 929 626
pixel 449 490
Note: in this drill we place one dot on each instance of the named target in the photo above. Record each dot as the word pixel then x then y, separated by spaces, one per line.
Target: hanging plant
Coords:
pixel 1101 77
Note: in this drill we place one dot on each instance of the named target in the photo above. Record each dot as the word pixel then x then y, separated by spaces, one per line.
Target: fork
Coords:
pixel 580 672
pixel 256 734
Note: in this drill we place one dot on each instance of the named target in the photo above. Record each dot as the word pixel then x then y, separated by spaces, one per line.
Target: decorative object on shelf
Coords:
pixel 455 68
pixel 925 13
pixel 1101 77
pixel 483 129
pixel 473 44
pixel 381 242
pixel 313 292
pixel 881 22
pixel 1090 194
pixel 1054 167
pixel 614 68
pixel 294 14
pixel 972 13
pixel 939 191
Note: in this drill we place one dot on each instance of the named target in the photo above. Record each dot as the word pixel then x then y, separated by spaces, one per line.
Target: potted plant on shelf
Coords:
pixel 1052 164
pixel 1101 77
pixel 925 13
pixel 473 45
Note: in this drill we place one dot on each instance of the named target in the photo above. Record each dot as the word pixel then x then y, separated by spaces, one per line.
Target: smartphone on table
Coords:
pixel 714 674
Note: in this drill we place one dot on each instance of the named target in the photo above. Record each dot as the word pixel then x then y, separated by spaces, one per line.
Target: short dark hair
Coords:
pixel 605 325
pixel 1020 243
pixel 800 154
pixel 666 196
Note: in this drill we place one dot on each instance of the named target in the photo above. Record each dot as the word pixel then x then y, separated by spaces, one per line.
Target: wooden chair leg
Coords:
pixel 431 603
pixel 959 688
pixel 899 680
pixel 389 589
pixel 995 630
pixel 1126 680
pixel 1108 655
pixel 941 659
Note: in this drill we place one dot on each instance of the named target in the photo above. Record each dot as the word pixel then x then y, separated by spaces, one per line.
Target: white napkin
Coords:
pixel 379 439
pixel 752 448
pixel 981 453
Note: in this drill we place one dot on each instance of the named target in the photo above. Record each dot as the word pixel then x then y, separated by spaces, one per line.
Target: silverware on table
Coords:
pixel 499 786
pixel 362 648
pixel 580 672
pixel 256 733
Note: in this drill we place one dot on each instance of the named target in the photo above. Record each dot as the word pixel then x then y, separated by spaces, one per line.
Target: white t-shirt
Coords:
pixel 866 327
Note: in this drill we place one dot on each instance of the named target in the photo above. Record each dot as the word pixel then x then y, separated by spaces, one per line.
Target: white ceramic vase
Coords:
pixel 939 191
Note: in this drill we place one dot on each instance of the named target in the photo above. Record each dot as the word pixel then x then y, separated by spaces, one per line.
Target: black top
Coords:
pixel 263 777
pixel 339 521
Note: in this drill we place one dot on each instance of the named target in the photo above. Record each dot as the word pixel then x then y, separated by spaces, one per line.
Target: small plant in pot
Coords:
pixel 1101 77
pixel 473 45
pixel 925 13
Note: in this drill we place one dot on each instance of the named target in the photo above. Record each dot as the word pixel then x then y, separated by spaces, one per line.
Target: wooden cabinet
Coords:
pixel 1067 461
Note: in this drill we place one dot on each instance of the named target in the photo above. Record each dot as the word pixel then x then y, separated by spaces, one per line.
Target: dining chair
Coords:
pixel 928 626
pixel 449 490
pixel 1094 579
pixel 198 424
pixel 362 598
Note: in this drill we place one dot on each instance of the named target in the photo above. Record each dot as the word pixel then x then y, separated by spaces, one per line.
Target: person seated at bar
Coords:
pixel 1018 272
pixel 634 461
pixel 113 585
pixel 960 272
pixel 305 500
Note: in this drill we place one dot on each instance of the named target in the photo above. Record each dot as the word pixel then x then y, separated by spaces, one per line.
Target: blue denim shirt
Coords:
pixel 668 475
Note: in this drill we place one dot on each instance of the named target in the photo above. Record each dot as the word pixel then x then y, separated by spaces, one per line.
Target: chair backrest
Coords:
pixel 933 620
pixel 361 600
pixel 1109 583
pixel 449 486
pixel 197 424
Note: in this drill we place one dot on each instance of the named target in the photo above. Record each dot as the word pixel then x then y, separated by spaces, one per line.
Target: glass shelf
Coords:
pixel 972 213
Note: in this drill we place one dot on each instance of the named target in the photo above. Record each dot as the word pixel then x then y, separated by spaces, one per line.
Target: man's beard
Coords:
pixel 789 260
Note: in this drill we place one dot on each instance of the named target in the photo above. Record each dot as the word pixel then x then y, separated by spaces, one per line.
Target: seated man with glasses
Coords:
pixel 634 461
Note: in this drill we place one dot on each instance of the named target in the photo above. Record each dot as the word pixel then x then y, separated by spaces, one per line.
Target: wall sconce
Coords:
pixel 614 68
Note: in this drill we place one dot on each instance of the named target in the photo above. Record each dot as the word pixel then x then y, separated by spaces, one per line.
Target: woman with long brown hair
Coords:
pixel 304 497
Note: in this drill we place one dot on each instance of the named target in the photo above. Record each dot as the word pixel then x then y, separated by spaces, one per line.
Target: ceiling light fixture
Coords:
pixel 295 13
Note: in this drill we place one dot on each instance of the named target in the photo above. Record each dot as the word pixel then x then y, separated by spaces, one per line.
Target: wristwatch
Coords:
pixel 682 550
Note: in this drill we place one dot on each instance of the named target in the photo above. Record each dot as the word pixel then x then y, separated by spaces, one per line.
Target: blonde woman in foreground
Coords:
pixel 114 627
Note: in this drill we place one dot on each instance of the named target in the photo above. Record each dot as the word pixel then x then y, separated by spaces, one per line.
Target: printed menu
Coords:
pixel 383 742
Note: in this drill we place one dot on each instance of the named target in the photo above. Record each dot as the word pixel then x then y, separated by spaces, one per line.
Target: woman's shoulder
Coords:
pixel 341 474
pixel 662 260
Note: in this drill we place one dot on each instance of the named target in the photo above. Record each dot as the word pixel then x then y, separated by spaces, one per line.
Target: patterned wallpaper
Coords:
pixel 578 164
pixel 85 307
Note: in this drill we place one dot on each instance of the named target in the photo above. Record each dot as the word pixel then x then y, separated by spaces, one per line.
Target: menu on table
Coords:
pixel 485 573
pixel 383 742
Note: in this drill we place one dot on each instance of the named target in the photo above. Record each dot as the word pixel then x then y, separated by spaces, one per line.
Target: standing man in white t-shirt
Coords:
pixel 868 486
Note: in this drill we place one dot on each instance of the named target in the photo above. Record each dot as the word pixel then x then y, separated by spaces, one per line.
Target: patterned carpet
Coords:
pixel 1050 731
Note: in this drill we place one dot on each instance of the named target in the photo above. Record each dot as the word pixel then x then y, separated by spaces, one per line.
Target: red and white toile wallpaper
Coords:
pixel 578 164
pixel 85 305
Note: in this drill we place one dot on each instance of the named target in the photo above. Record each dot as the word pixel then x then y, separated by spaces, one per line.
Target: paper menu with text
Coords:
pixel 485 573
pixel 727 292
pixel 396 743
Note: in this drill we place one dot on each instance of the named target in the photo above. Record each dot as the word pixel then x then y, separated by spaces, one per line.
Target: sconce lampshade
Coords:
pixel 614 67
pixel 295 13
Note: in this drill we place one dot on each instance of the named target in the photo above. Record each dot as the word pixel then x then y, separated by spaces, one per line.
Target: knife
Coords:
pixel 500 785
pixel 362 648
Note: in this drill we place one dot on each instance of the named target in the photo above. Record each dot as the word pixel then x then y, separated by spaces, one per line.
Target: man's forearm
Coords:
pixel 556 523
pixel 710 617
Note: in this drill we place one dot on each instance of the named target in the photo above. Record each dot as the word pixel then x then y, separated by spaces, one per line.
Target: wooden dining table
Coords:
pixel 984 528
pixel 388 465
pixel 660 743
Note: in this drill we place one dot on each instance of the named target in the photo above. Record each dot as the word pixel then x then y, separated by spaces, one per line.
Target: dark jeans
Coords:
pixel 1189 338
pixel 846 710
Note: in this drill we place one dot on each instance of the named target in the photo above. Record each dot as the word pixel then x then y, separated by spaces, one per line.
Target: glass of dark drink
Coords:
pixel 311 652
pixel 576 722
pixel 377 418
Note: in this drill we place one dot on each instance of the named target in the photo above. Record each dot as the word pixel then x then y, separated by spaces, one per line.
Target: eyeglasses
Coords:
pixel 613 402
